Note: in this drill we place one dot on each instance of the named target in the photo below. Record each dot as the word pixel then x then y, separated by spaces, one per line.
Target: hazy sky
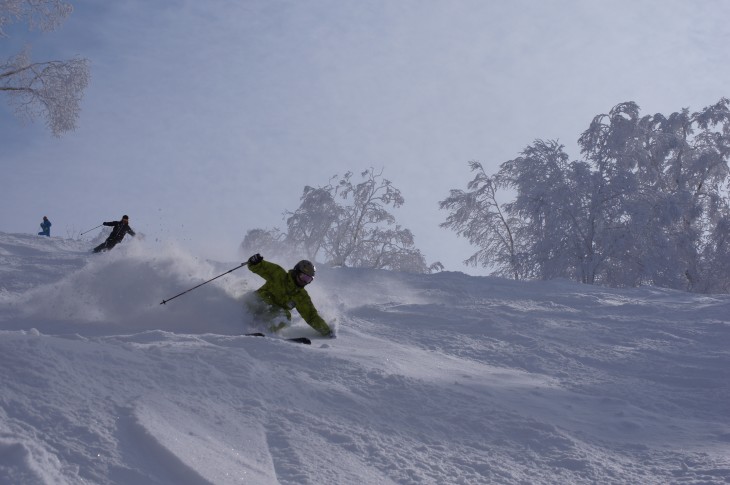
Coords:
pixel 203 120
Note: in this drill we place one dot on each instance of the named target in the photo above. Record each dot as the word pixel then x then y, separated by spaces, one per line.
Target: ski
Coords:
pixel 299 340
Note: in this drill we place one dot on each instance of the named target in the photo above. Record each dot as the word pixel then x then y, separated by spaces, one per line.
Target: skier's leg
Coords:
pixel 278 319
pixel 105 246
pixel 264 315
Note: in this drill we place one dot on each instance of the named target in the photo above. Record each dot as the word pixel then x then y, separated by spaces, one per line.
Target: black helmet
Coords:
pixel 305 266
pixel 304 272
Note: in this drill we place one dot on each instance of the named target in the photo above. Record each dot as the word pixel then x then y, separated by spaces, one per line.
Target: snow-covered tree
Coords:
pixel 350 240
pixel 346 223
pixel 477 215
pixel 309 227
pixel 678 172
pixel 544 205
pixel 647 204
pixel 45 15
pixel 358 231
pixel 269 241
pixel 551 228
pixel 50 89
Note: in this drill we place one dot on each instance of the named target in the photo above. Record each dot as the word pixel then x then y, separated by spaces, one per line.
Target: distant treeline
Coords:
pixel 647 203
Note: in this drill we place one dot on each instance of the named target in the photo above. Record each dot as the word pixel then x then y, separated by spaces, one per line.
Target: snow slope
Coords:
pixel 433 379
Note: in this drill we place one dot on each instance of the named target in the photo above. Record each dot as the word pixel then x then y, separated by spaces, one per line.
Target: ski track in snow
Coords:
pixel 434 379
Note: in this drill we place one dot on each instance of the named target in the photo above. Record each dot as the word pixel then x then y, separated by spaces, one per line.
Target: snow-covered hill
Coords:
pixel 433 379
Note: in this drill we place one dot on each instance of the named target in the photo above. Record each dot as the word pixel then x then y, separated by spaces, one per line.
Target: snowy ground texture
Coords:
pixel 433 379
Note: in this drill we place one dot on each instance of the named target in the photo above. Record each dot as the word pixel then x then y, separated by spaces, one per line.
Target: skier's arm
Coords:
pixel 130 231
pixel 112 223
pixel 266 270
pixel 309 313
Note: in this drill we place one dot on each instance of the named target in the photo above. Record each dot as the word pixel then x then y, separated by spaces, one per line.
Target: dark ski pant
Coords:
pixel 105 246
pixel 45 233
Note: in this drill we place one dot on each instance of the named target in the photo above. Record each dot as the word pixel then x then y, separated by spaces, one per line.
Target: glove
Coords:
pixel 255 259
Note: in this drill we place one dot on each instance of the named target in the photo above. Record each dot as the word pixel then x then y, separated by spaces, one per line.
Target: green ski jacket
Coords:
pixel 280 290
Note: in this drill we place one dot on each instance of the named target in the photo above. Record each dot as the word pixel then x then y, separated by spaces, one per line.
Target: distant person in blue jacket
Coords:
pixel 121 228
pixel 45 227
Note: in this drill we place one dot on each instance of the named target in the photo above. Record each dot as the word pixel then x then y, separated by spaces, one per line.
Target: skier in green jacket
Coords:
pixel 283 291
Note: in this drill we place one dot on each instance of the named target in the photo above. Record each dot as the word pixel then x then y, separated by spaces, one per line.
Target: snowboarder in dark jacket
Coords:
pixel 45 227
pixel 121 228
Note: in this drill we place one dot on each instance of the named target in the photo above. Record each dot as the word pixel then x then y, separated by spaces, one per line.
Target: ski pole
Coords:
pixel 204 282
pixel 90 229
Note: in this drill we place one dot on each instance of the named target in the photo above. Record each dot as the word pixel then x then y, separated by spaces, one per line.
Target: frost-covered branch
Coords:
pixel 52 89
pixel 45 15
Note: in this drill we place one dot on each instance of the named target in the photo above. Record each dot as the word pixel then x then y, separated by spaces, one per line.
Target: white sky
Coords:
pixel 205 119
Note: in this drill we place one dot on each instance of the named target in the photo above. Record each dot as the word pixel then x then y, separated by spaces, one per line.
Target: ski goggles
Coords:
pixel 305 278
